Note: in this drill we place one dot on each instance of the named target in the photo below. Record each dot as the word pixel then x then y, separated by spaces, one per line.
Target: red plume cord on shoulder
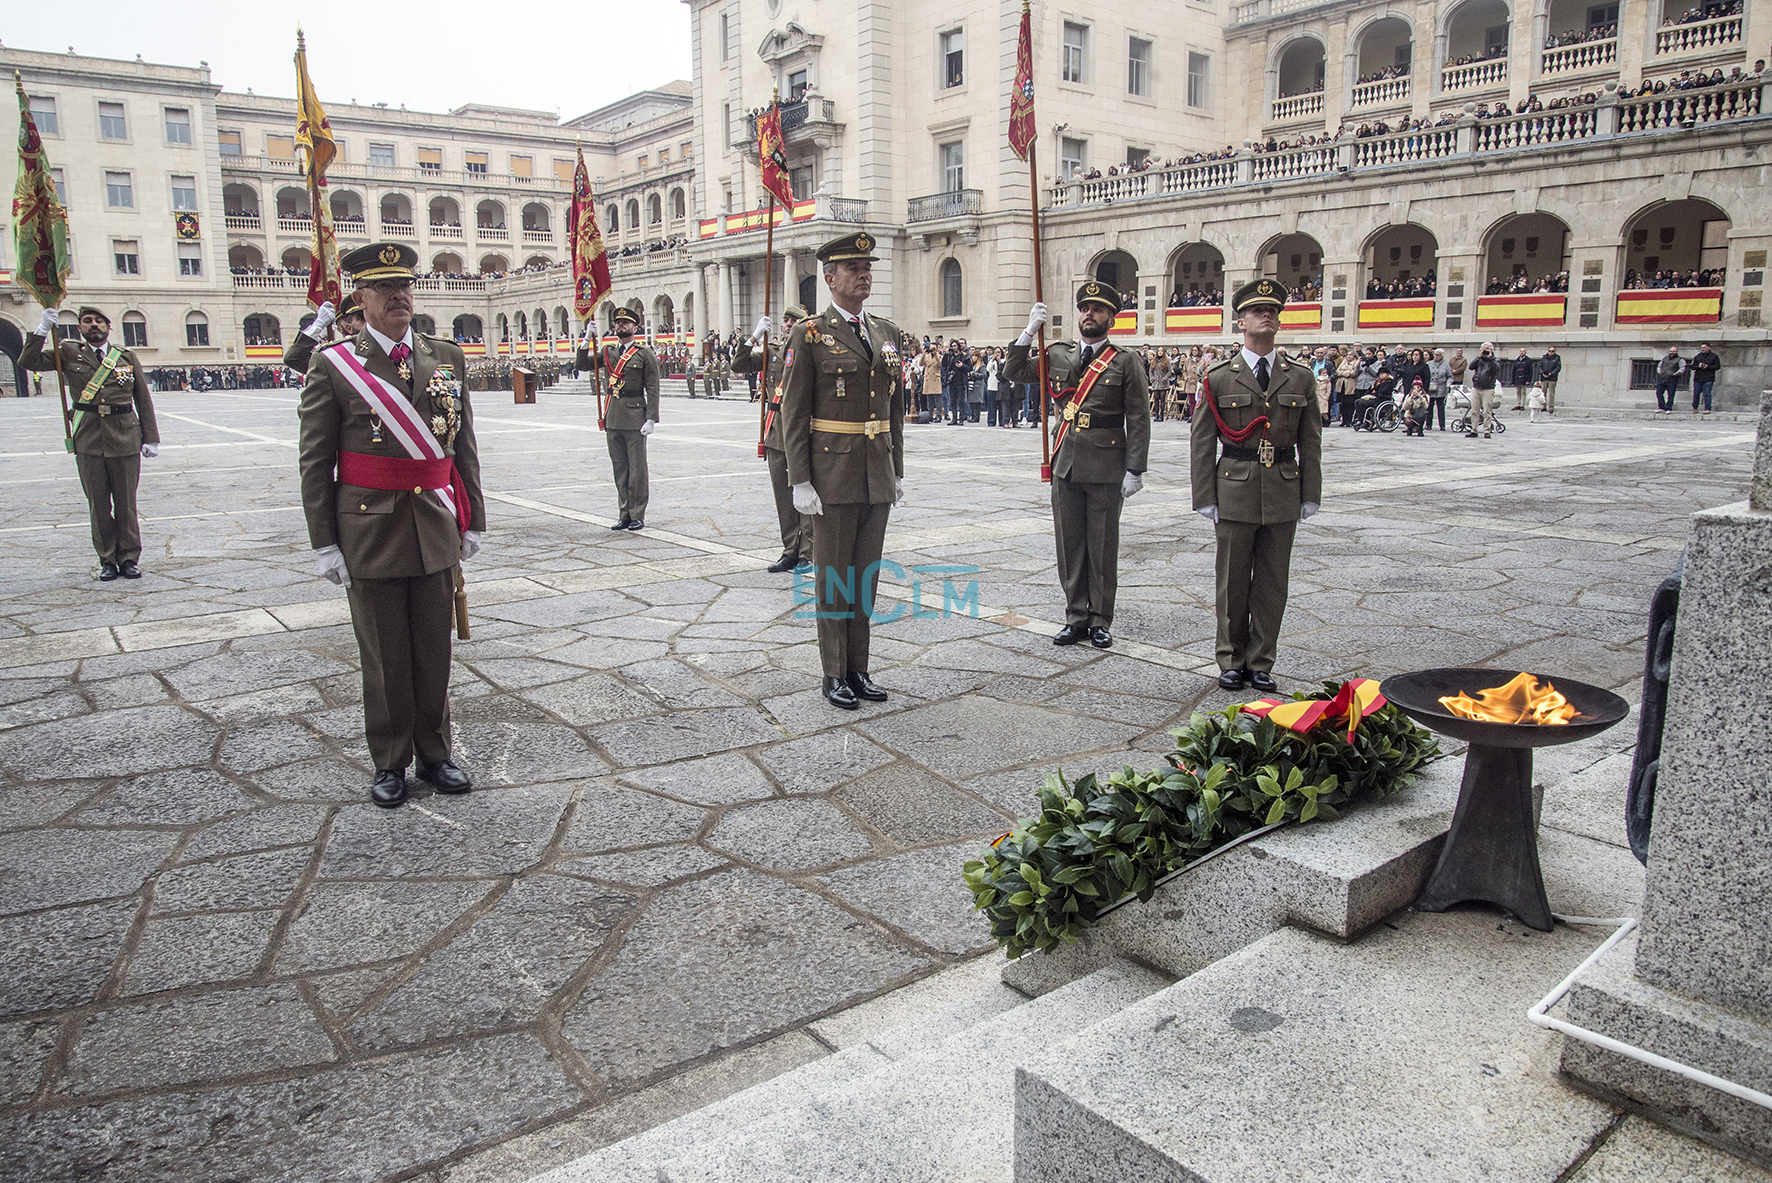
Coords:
pixel 1235 437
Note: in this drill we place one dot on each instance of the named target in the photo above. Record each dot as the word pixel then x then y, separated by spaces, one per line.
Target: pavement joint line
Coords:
pixel 1505 525
pixel 251 435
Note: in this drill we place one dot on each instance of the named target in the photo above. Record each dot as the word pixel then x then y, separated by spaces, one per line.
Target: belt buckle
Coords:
pixel 1083 420
pixel 1264 451
pixel 872 428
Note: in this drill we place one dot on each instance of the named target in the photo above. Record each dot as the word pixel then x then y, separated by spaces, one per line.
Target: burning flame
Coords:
pixel 1522 700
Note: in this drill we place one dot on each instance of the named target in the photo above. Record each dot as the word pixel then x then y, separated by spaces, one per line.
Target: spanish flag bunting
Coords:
pixel 1301 316
pixel 1670 306
pixel 1356 699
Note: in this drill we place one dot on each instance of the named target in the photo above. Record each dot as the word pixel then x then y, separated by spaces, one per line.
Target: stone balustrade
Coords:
pixel 1407 147
pixel 452 232
pixel 1385 92
pixel 1297 106
pixel 242 222
pixel 1699 35
pixel 1586 55
pixel 1474 76
pixel 1293 163
pixel 1676 109
pixel 1539 127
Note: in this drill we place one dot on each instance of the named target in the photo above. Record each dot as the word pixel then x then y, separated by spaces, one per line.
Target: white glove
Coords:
pixel 897 489
pixel 1210 513
pixel 1307 509
pixel 1037 318
pixel 51 318
pixel 470 544
pixel 149 451
pixel 806 499
pixel 1131 484
pixel 323 318
pixel 331 565
pixel 762 331
pixel 646 427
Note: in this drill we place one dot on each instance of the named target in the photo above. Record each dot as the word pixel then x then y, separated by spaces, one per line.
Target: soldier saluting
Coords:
pixel 390 482
pixel 629 416
pixel 796 530
pixel 113 432
pixel 842 409
pixel 1257 453
pixel 349 320
pixel 1099 455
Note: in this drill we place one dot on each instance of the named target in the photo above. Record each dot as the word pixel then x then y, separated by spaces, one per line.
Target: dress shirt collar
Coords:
pixel 387 343
pixel 1250 357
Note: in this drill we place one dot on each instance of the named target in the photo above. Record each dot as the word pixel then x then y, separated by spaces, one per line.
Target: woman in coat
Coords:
pixel 1160 383
pixel 976 377
pixel 932 385
pixel 1439 376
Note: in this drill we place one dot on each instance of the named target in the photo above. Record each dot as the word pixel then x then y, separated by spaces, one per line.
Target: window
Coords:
pixel 229 142
pixel 381 155
pixel 111 123
pixel 664 157
pixel 119 192
pixel 196 330
pixel 952 288
pixel 563 169
pixel 126 256
pixel 430 160
pixel 1137 156
pixel 797 83
pixel 523 167
pixel 1598 17
pixel 642 162
pixel 953 167
pixel 1405 56
pixel 61 185
pixel 280 147
pixel 43 112
pixel 686 149
pixel 1138 67
pixel 953 59
pixel 800 177
pixel 190 259
pixel 1070 157
pixel 725 37
pixel 1076 45
pixel 726 119
pixel 1495 37
pixel 184 193
pixel 476 162
pixel 1199 67
pixel 135 330
pixel 178 125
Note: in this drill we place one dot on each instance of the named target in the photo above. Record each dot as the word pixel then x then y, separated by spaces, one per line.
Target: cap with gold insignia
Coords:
pixel 88 310
pixel 1097 292
pixel 350 306
pixel 1259 293
pixel 380 260
pixel 627 314
pixel 859 245
pixel 793 312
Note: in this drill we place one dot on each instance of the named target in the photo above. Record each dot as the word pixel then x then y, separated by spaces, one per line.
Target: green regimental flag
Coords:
pixel 40 223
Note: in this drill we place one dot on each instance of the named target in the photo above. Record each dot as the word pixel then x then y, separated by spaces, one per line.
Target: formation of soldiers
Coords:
pixel 390 472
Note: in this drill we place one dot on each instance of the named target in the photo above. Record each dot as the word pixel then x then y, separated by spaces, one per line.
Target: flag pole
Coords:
pixel 55 345
pixel 1040 298
pixel 768 291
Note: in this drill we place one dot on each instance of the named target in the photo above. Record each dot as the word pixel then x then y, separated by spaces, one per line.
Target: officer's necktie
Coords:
pixel 1261 372
pixel 1088 355
pixel 866 345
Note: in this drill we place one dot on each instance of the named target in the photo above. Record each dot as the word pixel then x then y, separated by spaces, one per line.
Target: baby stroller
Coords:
pixel 1458 401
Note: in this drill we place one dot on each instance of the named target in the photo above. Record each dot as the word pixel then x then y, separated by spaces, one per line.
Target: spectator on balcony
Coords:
pixel 1705 365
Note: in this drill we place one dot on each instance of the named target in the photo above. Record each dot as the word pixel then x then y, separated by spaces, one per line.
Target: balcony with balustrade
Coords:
pixel 958 203
pixel 439 232
pixel 247 222
pixel 1386 92
pixel 300 224
pixel 538 237
pixel 1699 37
pixel 1296 106
pixel 1474 76
pixel 491 234
pixel 401 230
pixel 1579 57
pixel 350 227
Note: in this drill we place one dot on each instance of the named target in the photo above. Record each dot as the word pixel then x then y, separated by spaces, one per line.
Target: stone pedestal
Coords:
pixel 1698 988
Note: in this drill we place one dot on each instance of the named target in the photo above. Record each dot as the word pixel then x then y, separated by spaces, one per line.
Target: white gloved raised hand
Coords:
pixel 646 427
pixel 764 324
pixel 806 499
pixel 1131 484
pixel 149 451
pixel 323 318
pixel 51 318
pixel 470 544
pixel 897 489
pixel 1037 318
pixel 1308 509
pixel 330 564
pixel 1209 512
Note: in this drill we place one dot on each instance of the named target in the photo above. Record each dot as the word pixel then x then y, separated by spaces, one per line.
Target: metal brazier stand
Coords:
pixel 1491 851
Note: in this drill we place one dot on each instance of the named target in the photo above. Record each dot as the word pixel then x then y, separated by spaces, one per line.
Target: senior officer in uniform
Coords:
pixel 629 416
pixel 1259 411
pixel 842 410
pixel 349 321
pixel 114 430
pixel 796 530
pixel 1102 444
pixel 388 410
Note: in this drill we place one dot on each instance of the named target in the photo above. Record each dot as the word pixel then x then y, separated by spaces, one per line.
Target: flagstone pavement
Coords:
pixel 220 962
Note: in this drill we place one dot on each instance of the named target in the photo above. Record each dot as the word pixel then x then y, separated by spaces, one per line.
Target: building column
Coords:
pixel 729 314
pixel 1461 281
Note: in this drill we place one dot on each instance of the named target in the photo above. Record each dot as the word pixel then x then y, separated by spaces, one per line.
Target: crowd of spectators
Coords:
pixel 222 377
pixel 653 247
pixel 1416 287
pixel 301 271
pixel 1577 37
pixel 1522 284
pixel 1709 277
pixel 1688 80
pixel 1715 10
pixel 1197 297
pixel 1384 75
pixel 1489 54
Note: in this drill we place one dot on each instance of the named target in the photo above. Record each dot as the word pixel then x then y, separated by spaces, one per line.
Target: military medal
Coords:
pixel 375 429
pixel 404 369
pixel 841 391
pixel 1264 452
pixel 124 374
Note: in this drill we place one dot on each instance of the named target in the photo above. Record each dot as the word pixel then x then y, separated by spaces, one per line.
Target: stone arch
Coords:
pixel 1460 29
pixel 468 327
pixel 538 261
pixel 240 200
pixel 395 209
pixel 1295 260
pixel 538 217
pixel 261 328
pixel 504 327
pixel 1298 65
pixel 1534 244
pixel 346 206
pixel 1399 253
pixel 292 202
pixel 244 254
pixel 1117 269
pixel 520 323
pixel 297 258
pixel 1194 267
pixel 1372 45
pixel 447 263
pixel 679 204
pixel 632 212
pixel 539 321
pixel 424 323
pixel 490 215
pixel 664 315
pixel 490 264
pixel 445 211
pixel 611 219
pixel 654 210
pixel 1684 234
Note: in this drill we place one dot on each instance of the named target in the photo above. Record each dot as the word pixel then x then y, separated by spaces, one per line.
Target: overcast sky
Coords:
pixel 568 57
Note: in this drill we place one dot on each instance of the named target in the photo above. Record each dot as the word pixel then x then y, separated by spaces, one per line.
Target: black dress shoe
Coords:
pixel 1230 680
pixel 1071 634
pixel 445 776
pixel 863 686
pixel 1101 638
pixel 785 563
pixel 838 694
pixel 636 524
pixel 803 563
pixel 389 788
pixel 129 570
pixel 1263 681
pixel 621 525
pixel 107 570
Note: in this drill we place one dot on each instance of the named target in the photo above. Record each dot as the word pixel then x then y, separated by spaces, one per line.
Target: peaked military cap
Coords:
pixel 381 260
pixel 1260 293
pixel 793 312
pixel 89 310
pixel 350 306
pixel 859 245
pixel 1097 292
pixel 627 314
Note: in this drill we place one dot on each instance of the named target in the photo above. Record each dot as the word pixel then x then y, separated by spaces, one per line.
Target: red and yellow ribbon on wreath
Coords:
pixel 1357 698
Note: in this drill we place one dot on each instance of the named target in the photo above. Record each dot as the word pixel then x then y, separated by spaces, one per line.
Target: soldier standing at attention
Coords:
pixel 842 409
pixel 629 416
pixel 796 531
pixel 114 431
pixel 349 321
pixel 388 409
pixel 1098 457
pixel 1260 411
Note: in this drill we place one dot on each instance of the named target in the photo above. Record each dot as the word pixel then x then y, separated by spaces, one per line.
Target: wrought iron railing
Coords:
pixel 955 204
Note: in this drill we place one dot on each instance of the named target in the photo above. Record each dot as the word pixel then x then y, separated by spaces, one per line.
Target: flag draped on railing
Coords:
pixel 314 133
pixel 772 155
pixel 1021 99
pixel 590 263
pixel 39 222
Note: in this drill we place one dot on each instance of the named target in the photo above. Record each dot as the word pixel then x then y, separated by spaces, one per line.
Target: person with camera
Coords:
pixel 1485 371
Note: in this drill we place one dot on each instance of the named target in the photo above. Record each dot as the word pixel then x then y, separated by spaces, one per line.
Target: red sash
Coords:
pixel 400 472
pixel 1235 437
pixel 616 368
pixel 1080 391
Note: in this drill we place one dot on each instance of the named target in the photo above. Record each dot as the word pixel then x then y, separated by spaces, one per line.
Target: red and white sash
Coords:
pixel 395 410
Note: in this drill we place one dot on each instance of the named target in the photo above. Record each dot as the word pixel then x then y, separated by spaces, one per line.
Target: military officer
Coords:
pixel 1101 444
pixel 629 416
pixel 114 431
pixel 390 480
pixel 842 411
pixel 1257 452
pixel 349 320
pixel 796 530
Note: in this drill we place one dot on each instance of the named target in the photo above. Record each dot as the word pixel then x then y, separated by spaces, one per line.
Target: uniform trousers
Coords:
pixel 846 543
pixel 1086 521
pixel 627 455
pixel 1254 564
pixel 796 531
pixel 403 638
pixel 109 483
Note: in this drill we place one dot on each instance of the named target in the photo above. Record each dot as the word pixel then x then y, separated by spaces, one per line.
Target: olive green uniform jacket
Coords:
pixel 124 419
pixel 1094 455
pixel 1247 490
pixel 637 400
pixel 829 377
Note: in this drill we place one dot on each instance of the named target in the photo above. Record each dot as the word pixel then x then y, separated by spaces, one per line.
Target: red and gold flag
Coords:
pixel 39 222
pixel 314 133
pixel 1021 99
pixel 772 155
pixel 590 263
